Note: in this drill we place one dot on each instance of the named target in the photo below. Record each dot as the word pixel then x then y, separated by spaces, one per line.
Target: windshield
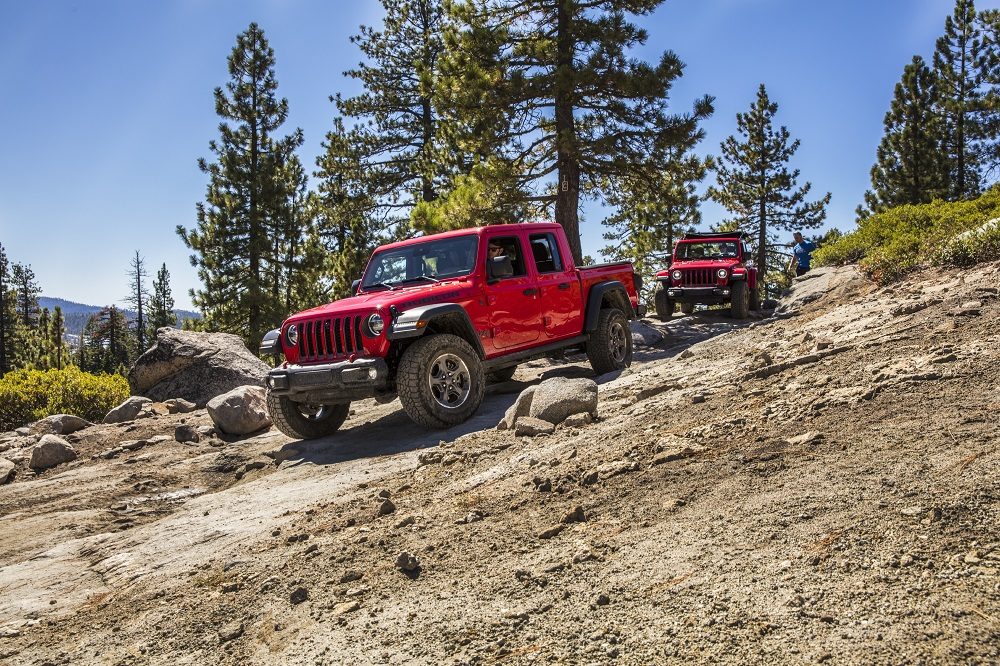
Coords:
pixel 707 250
pixel 422 262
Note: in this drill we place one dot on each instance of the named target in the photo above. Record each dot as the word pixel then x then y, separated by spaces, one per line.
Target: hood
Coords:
pixel 404 298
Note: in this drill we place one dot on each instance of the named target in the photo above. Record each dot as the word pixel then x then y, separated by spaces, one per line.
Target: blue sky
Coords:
pixel 107 105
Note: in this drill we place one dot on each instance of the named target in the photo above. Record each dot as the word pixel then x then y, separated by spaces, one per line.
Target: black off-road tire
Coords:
pixel 739 305
pixel 663 305
pixel 610 346
pixel 687 308
pixel 425 385
pixel 501 375
pixel 755 299
pixel 305 421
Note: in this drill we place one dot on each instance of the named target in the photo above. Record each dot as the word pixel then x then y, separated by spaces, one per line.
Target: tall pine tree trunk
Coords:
pixel 568 187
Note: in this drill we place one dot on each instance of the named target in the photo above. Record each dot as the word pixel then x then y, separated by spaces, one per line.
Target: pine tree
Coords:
pixel 138 297
pixel 755 185
pixel 109 342
pixel 27 312
pixel 57 342
pixel 960 63
pixel 249 193
pixel 550 87
pixel 161 305
pixel 989 106
pixel 44 352
pixel 7 314
pixel 396 122
pixel 653 212
pixel 344 205
pixel 910 168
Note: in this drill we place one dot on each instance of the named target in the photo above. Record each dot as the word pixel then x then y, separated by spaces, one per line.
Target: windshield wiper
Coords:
pixel 420 277
pixel 380 284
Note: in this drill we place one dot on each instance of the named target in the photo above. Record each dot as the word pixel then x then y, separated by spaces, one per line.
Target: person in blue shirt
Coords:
pixel 801 255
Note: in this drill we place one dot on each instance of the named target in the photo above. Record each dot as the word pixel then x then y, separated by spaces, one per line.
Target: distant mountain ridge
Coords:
pixel 76 315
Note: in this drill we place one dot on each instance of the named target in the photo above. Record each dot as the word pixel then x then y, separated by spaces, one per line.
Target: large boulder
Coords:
pixel 50 451
pixel 58 424
pixel 240 411
pixel 553 400
pixel 7 471
pixel 128 410
pixel 194 366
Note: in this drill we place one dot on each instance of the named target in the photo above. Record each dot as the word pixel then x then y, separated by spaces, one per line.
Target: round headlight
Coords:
pixel 376 324
pixel 676 275
pixel 722 272
pixel 292 335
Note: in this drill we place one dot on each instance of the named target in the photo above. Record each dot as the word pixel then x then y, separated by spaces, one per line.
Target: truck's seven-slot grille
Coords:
pixel 326 339
pixel 698 277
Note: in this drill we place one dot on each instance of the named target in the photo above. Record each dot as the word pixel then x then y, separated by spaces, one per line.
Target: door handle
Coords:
pixel 564 286
pixel 530 291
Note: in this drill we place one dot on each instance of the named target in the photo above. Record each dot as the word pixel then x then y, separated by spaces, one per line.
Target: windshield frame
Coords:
pixel 418 253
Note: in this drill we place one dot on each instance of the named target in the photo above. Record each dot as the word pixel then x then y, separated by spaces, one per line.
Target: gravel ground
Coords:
pixel 818 486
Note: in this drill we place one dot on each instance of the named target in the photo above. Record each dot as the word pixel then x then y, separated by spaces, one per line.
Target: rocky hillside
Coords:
pixel 817 486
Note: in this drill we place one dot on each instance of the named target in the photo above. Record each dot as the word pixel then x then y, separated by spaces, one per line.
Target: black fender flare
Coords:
pixel 451 317
pixel 612 290
pixel 271 344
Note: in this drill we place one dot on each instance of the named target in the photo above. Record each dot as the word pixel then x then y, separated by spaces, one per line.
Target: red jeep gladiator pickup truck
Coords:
pixel 434 318
pixel 708 268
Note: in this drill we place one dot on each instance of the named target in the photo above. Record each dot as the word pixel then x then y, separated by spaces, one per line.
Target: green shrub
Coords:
pixel 889 244
pixel 29 395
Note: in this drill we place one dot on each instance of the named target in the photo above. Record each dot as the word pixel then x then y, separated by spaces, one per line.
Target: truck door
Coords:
pixel 513 302
pixel 558 287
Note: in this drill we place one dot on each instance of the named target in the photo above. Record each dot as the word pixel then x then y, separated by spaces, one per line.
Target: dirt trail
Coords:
pixel 820 486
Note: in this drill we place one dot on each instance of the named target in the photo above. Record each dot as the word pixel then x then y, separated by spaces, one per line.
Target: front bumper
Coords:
pixel 701 295
pixel 331 383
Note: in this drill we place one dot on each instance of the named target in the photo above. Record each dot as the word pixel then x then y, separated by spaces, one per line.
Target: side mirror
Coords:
pixel 498 268
pixel 354 287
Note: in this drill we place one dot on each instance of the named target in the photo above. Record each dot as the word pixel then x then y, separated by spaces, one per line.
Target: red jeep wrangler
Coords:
pixel 708 268
pixel 434 317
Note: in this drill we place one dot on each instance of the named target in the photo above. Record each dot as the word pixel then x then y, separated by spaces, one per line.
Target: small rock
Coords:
pixel 527 426
pixel 384 493
pixel 430 457
pixel 128 410
pixel 603 599
pixel 179 406
pixel 810 437
pixel 575 516
pixel 299 595
pixel 186 433
pixel 50 451
pixel 231 631
pixel 697 398
pixel 577 420
pixel 350 576
pixel 972 557
pixel 58 424
pixel 407 562
pixel 346 607
pixel 551 532
pixel 205 430
pixel 912 511
pixel 677 453
pixel 406 522
pixel 241 411
pixel 542 485
pixel 386 507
